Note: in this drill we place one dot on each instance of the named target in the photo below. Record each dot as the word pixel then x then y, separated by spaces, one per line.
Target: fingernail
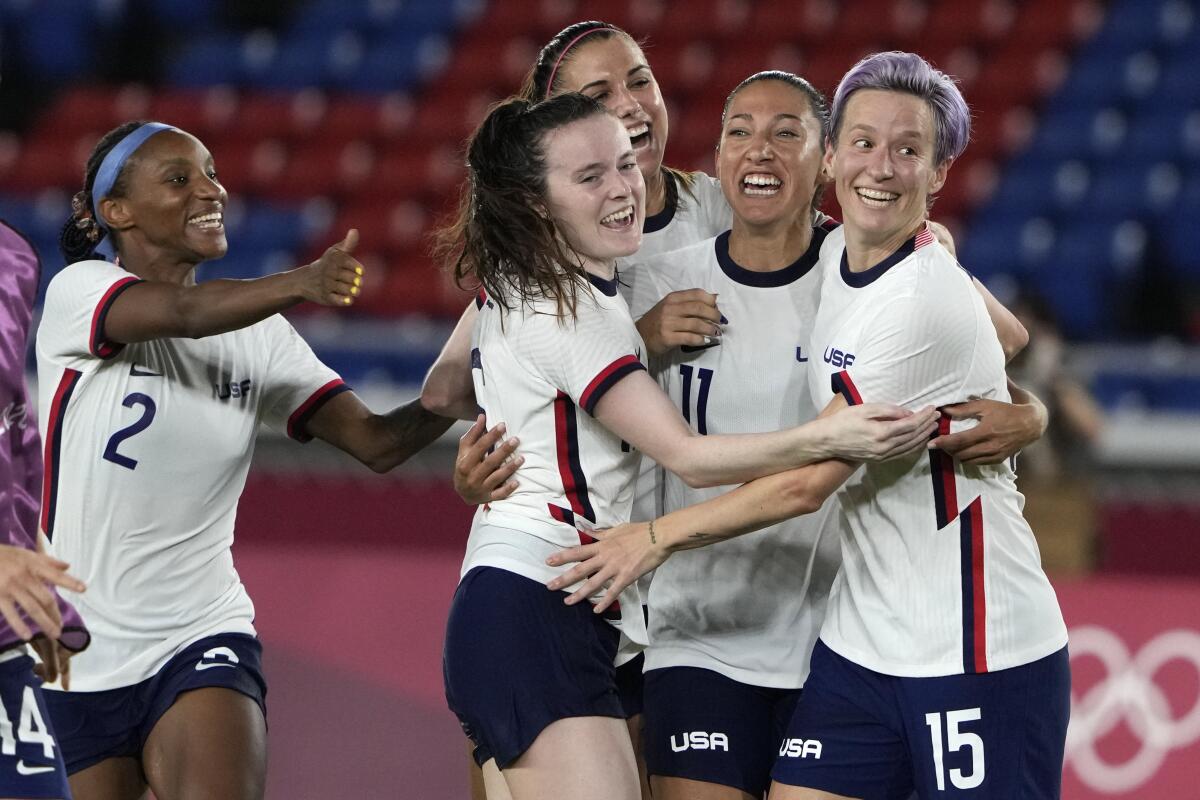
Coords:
pixel 354 289
pixel 345 301
pixel 723 320
pixel 520 460
pixel 358 270
pixel 357 280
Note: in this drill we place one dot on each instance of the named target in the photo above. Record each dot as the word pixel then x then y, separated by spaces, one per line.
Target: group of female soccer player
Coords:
pixel 796 354
pixel 937 653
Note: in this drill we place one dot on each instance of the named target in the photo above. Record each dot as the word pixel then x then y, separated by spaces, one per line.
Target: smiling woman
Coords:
pixel 152 388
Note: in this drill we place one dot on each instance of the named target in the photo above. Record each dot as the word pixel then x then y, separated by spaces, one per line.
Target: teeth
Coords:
pixel 212 220
pixel 618 216
pixel 639 130
pixel 759 179
pixel 876 197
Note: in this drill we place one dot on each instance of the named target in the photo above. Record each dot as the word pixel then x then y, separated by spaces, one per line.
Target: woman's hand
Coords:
pixel 1004 430
pixel 334 279
pixel 24 575
pixel 482 474
pixel 619 557
pixel 55 661
pixel 688 318
pixel 878 432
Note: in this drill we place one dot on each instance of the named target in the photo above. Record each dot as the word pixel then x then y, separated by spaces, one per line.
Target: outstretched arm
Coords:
pixel 637 410
pixel 381 441
pixel 628 551
pixel 159 310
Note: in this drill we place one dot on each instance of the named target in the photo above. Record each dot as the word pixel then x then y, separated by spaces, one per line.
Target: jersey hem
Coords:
pixel 946 667
pixel 658 657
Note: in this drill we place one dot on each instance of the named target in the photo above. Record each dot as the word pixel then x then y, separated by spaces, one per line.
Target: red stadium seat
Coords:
pixel 204 113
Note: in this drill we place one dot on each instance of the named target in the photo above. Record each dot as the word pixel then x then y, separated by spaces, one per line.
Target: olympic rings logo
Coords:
pixel 1129 694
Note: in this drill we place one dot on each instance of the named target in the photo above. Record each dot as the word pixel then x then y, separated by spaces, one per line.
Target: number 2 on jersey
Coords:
pixel 955 741
pixel 139 425
pixel 705 380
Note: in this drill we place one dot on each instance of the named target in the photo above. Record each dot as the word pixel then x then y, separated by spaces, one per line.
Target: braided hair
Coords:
pixel 82 232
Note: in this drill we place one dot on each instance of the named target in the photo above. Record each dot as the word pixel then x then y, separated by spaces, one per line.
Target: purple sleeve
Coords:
pixel 20 445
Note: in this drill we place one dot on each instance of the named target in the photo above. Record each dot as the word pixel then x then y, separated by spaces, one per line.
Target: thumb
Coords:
pixel 348 244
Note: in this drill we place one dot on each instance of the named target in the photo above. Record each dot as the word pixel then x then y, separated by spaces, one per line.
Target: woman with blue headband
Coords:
pixel 152 388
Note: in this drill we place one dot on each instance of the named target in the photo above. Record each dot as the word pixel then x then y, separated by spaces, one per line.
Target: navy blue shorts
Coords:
pixel 991 736
pixel 31 763
pixel 517 659
pixel 115 723
pixel 701 725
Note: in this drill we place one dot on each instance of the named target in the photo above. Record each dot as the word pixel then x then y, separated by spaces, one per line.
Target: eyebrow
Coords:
pixel 589 168
pixel 776 118
pixel 906 134
pixel 604 81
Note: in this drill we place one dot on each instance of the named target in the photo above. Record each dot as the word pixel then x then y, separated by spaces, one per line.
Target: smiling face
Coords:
pixel 174 205
pixel 883 166
pixel 614 71
pixel 769 158
pixel 594 190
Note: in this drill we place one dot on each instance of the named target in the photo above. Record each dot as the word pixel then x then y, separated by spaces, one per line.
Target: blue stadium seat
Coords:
pixel 1157 133
pixel 213 59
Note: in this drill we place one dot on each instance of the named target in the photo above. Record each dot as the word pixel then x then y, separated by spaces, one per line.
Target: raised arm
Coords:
pixel 637 410
pixel 158 310
pixel 448 389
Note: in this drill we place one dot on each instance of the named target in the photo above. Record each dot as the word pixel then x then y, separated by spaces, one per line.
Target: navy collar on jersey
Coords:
pixel 778 277
pixel 606 287
pixel 868 276
pixel 662 219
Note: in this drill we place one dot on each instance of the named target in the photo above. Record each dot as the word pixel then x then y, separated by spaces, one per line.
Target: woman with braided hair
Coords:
pixel 152 389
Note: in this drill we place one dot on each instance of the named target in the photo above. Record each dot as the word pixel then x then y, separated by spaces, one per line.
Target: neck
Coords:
pixel 765 248
pixel 864 251
pixel 656 192
pixel 601 269
pixel 160 266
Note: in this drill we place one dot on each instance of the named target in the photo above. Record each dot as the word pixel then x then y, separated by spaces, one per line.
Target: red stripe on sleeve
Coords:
pixel 295 424
pixel 600 384
pixel 97 344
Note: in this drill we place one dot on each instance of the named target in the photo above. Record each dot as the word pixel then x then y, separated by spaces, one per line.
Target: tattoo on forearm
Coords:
pixel 412 428
pixel 699 538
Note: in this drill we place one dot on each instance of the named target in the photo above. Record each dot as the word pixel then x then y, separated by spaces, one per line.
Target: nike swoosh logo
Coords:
pixel 212 664
pixel 26 769
pixel 138 373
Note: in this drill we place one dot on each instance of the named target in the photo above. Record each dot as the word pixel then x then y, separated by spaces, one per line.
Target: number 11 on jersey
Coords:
pixel 705 381
pixel 955 741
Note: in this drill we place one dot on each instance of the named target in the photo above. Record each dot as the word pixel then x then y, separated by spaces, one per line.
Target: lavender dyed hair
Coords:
pixel 896 71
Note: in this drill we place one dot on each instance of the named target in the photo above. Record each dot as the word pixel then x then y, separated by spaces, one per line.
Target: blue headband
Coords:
pixel 110 168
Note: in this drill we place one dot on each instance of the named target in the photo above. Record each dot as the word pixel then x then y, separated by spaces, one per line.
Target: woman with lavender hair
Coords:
pixel 942 663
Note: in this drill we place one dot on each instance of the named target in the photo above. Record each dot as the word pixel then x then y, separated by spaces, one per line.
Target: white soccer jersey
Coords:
pixel 940 572
pixel 542 377
pixel 749 608
pixel 147 449
pixel 692 215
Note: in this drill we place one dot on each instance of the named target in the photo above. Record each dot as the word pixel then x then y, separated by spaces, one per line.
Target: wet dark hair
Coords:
pixel 555 55
pixel 816 103
pixel 502 236
pixel 82 233
pixel 545 77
